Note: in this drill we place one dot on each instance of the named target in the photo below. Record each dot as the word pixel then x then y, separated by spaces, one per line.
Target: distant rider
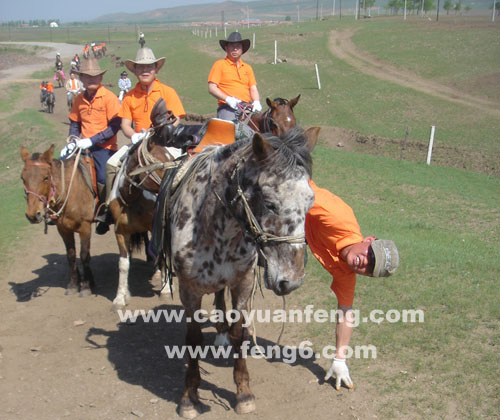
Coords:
pixel 124 84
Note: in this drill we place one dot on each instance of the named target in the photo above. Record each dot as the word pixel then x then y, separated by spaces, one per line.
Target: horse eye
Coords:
pixel 271 206
pixel 46 179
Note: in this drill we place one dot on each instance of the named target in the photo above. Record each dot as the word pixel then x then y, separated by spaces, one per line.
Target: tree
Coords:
pixel 448 5
pixel 288 18
pixel 467 9
pixel 458 7
pixel 429 5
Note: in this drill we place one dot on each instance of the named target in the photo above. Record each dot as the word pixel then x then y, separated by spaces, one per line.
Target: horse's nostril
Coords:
pixel 283 287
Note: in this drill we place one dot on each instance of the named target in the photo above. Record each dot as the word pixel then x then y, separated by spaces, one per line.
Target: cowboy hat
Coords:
pixel 235 37
pixel 90 67
pixel 145 56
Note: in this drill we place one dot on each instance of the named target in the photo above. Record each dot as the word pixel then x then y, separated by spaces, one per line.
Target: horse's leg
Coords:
pixel 245 400
pixel 88 279
pixel 123 293
pixel 194 338
pixel 69 241
pixel 222 327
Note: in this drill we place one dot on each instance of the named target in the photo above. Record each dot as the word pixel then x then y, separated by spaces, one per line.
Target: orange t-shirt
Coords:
pixel 137 104
pixel 50 87
pixel 330 226
pixel 95 115
pixel 233 80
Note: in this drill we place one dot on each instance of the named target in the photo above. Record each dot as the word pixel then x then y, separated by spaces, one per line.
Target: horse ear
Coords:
pixel 261 148
pixel 159 112
pixel 293 102
pixel 49 154
pixel 25 155
pixel 269 103
pixel 312 135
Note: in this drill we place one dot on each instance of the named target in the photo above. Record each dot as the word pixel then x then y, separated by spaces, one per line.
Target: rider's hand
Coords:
pixel 232 102
pixel 340 370
pixel 84 143
pixel 137 137
pixel 67 150
pixel 257 107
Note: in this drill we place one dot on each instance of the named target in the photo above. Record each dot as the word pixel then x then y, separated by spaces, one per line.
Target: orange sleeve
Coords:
pixel 112 105
pixel 215 73
pixel 125 108
pixel 251 77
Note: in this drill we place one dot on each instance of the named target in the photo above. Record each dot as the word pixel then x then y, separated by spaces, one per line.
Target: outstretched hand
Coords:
pixel 340 370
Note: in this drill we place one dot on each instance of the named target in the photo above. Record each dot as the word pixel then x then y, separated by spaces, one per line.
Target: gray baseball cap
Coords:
pixel 386 257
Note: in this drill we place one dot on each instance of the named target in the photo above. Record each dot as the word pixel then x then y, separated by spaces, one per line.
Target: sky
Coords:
pixel 82 10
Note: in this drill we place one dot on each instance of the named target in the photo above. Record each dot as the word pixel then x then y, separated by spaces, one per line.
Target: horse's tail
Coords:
pixel 137 240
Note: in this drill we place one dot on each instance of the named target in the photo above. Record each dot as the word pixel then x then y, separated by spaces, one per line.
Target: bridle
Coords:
pixel 255 231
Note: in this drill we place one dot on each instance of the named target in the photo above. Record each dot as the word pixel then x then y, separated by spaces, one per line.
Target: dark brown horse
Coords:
pixel 57 192
pixel 134 195
pixel 278 119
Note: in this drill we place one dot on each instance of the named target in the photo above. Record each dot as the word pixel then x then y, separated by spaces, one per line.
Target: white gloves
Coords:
pixel 340 370
pixel 67 150
pixel 137 137
pixel 257 107
pixel 84 143
pixel 233 102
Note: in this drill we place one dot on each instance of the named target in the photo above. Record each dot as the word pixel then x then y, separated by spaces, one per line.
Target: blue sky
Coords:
pixel 71 11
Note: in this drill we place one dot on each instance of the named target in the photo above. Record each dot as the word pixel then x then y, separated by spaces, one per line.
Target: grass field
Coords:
pixel 445 221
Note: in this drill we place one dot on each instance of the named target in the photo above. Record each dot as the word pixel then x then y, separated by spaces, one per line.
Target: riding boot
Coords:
pixel 103 219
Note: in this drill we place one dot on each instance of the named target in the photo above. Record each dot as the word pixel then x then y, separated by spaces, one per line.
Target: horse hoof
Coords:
pixel 188 411
pixel 85 292
pixel 246 406
pixel 71 291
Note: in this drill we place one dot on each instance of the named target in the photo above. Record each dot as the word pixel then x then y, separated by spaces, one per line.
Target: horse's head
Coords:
pixel 38 184
pixel 281 118
pixel 276 190
pixel 162 122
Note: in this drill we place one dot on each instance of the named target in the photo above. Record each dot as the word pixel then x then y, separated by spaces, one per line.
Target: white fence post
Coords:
pixel 275 52
pixel 317 77
pixel 431 143
pixel 253 42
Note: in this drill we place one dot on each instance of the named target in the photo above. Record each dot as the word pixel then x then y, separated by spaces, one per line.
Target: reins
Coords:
pixel 50 200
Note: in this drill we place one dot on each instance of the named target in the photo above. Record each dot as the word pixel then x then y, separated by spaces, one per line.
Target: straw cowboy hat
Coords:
pixel 145 55
pixel 90 67
pixel 235 37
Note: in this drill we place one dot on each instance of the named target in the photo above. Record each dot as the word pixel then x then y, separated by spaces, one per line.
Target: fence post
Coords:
pixel 275 52
pixel 317 76
pixel 431 143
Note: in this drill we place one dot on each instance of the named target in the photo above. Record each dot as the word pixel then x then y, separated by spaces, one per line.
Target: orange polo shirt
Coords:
pixel 233 80
pixel 95 115
pixel 137 104
pixel 50 87
pixel 330 226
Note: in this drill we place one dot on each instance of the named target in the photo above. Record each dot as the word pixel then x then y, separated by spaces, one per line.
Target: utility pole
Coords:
pixel 437 16
pixel 494 11
pixel 405 11
pixel 340 10
pixel 298 13
pixel 317 9
pixel 333 8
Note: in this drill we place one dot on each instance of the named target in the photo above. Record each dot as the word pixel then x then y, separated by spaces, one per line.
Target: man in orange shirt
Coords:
pixel 334 237
pixel 231 80
pixel 137 104
pixel 94 118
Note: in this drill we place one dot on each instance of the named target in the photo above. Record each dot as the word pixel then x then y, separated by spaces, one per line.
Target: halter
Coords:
pixel 50 200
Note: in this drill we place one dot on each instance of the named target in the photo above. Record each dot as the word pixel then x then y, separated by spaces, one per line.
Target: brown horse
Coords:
pixel 278 119
pixel 57 192
pixel 133 197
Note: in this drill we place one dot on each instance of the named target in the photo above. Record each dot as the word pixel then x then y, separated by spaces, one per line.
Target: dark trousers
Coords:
pixel 101 156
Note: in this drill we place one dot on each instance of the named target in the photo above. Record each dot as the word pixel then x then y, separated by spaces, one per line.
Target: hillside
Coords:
pixel 261 9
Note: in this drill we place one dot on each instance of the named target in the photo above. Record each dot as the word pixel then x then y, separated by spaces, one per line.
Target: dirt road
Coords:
pixel 340 44
pixel 66 357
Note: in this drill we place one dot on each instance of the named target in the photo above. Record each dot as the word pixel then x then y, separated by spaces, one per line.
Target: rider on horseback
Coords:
pixel 73 87
pixel 94 118
pixel 231 80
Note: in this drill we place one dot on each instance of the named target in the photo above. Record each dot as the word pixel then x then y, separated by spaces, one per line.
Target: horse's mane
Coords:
pixel 280 101
pixel 291 151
